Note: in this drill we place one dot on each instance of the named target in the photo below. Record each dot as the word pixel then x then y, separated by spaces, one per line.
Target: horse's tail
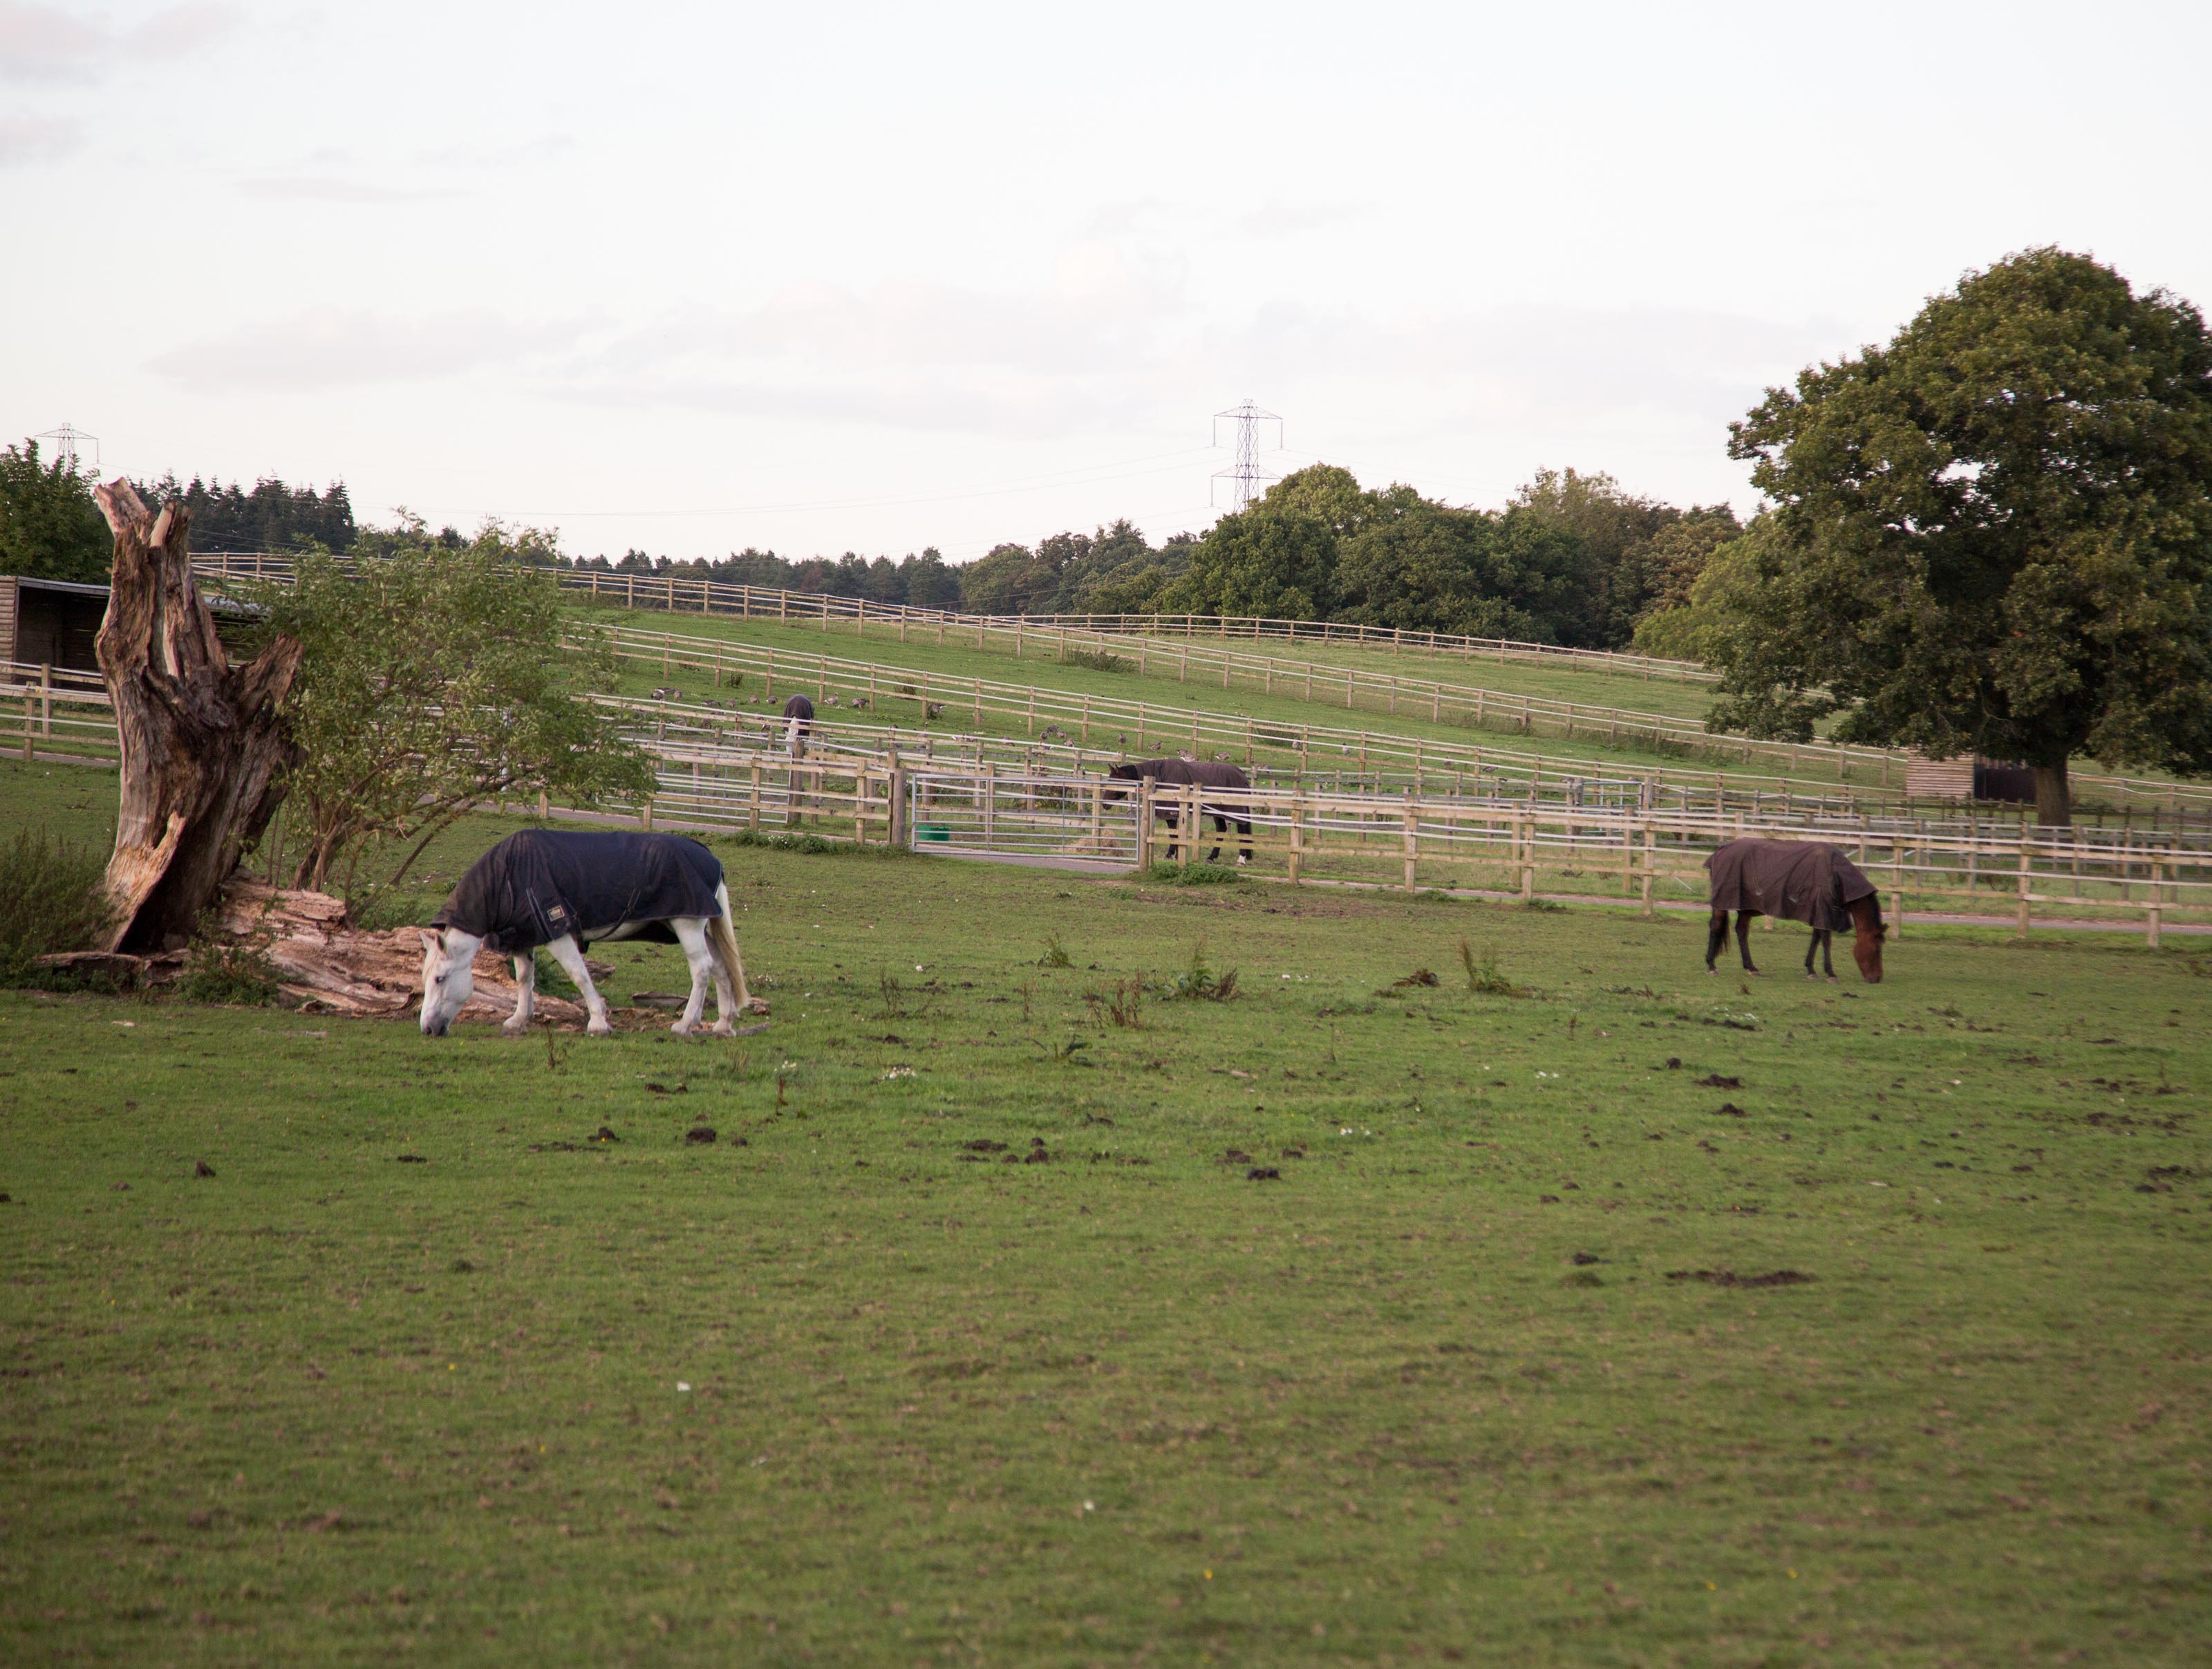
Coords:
pixel 722 941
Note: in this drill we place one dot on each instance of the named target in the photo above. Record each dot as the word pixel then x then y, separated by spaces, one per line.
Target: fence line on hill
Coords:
pixel 1199 729
pixel 1412 841
pixel 61 715
pixel 675 594
pixel 1531 844
pixel 1448 703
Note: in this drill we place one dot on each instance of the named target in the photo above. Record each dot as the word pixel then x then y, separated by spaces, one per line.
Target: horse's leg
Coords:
pixel 1220 829
pixel 1743 937
pixel 691 935
pixel 572 964
pixel 1244 835
pixel 1827 953
pixel 1716 940
pixel 526 992
pixel 1811 946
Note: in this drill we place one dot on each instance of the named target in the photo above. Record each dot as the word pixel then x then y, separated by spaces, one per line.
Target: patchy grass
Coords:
pixel 1307 1327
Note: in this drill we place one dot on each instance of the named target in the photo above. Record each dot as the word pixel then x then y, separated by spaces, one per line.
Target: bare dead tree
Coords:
pixel 204 747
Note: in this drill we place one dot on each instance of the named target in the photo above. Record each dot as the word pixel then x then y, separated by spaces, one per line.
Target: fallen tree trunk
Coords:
pixel 204 746
pixel 322 963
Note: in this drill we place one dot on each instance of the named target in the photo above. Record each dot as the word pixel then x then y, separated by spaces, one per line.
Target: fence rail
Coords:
pixel 1446 703
pixel 676 593
pixel 1280 743
pixel 1532 850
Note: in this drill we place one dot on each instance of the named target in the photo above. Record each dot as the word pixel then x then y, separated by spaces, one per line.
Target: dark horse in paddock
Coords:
pixel 800 711
pixel 1795 881
pixel 1207 773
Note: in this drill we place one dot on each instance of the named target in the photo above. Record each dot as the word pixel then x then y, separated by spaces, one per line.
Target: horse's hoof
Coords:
pixel 756 1005
pixel 682 1030
pixel 512 1030
pixel 722 1028
pixel 598 1028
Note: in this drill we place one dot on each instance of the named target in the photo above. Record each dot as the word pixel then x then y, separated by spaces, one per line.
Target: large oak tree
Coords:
pixel 1993 535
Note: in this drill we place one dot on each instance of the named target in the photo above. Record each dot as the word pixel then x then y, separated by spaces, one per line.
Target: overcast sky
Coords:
pixel 693 277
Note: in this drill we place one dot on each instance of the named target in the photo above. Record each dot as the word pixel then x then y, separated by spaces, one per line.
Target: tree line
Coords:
pixel 1573 559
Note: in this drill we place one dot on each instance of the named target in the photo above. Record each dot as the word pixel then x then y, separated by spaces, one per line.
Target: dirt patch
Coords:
pixel 1419 976
pixel 983 1145
pixel 410 1159
pixel 1582 1259
pixel 699 1135
pixel 1730 1110
pixel 1263 1173
pixel 1727 1277
pixel 202 1168
pixel 1714 1080
pixel 603 1133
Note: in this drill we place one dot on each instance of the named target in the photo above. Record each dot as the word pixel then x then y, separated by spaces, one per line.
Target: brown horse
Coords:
pixel 1207 773
pixel 1795 881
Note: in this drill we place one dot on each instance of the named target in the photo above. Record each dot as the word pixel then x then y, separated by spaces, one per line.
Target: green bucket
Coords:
pixel 941 833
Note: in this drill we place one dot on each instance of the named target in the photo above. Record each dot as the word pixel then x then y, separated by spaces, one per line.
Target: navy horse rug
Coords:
pixel 541 885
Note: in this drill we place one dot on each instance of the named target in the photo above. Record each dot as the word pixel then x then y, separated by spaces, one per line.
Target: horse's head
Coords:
pixel 1867 940
pixel 449 976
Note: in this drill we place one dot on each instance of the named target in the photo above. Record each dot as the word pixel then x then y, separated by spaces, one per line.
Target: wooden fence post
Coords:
pixel 2026 851
pixel 1412 837
pixel 1650 858
pixel 1297 833
pixel 1145 824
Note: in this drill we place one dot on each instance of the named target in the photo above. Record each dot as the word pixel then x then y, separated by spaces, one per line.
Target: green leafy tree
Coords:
pixel 435 680
pixel 1280 564
pixel 49 528
pixel 1994 534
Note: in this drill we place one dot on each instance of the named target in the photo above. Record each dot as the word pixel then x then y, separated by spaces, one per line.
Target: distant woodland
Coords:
pixel 1573 558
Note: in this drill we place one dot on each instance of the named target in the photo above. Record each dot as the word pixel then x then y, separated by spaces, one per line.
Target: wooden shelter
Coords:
pixel 50 623
pixel 1968 777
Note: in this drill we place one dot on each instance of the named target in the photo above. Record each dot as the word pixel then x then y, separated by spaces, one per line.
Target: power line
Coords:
pixel 1081 476
pixel 1244 475
pixel 65 440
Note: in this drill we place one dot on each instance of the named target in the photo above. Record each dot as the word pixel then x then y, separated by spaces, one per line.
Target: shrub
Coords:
pixel 1483 977
pixel 50 901
pixel 228 971
pixel 1195 874
pixel 1098 661
pixel 1199 983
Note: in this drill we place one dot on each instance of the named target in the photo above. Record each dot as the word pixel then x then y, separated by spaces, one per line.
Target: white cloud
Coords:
pixel 47 43
pixel 36 139
pixel 315 188
pixel 329 347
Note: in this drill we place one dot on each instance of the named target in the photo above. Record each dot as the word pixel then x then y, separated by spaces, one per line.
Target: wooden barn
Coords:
pixel 1968 778
pixel 50 623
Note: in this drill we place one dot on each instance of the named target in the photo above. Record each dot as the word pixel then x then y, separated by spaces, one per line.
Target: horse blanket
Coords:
pixel 536 886
pixel 1792 880
pixel 1207 773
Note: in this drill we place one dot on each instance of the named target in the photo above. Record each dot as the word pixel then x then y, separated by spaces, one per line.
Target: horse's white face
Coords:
pixel 449 975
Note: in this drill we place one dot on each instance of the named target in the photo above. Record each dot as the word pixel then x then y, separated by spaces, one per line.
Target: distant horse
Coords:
pixel 800 711
pixel 1207 773
pixel 1795 881
pixel 564 890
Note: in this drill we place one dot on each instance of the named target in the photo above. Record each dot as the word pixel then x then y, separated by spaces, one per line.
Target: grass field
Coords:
pixel 427 1369
pixel 1040 670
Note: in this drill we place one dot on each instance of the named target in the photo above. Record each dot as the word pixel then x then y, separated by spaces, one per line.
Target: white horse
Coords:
pixel 449 948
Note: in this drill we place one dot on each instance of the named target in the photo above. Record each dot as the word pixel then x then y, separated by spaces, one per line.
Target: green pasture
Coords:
pixel 1346 1320
pixel 1588 684
pixel 1283 711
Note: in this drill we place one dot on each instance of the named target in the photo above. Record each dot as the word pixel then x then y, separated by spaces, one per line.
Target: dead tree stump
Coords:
pixel 204 746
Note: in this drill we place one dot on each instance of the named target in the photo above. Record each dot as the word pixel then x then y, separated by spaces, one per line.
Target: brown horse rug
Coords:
pixel 1792 880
